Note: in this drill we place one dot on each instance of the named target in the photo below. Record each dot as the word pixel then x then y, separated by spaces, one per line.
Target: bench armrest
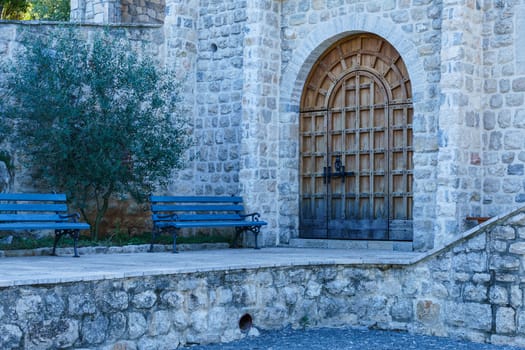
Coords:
pixel 255 216
pixel 74 216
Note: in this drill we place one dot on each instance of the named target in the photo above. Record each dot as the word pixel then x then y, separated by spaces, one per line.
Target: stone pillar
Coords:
pixel 503 107
pixel 78 11
pixel 96 11
pixel 260 115
pixel 459 167
pixel 180 56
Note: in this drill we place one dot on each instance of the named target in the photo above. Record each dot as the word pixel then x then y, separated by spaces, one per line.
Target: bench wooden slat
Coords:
pixel 31 217
pixel 193 224
pixel 45 197
pixel 199 207
pixel 34 207
pixel 44 226
pixel 199 217
pixel 195 199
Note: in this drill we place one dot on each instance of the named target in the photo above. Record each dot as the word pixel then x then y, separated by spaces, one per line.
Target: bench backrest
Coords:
pixel 32 207
pixel 197 208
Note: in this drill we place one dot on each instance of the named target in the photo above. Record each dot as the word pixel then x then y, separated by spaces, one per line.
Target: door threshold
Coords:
pixel 351 244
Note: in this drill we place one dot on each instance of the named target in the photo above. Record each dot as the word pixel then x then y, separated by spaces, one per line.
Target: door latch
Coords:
pixel 339 171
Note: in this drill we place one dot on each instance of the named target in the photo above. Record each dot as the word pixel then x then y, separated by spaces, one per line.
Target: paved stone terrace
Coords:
pixel 17 271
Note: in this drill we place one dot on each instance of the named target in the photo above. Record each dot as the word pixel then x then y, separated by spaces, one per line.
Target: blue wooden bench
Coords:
pixel 46 211
pixel 171 213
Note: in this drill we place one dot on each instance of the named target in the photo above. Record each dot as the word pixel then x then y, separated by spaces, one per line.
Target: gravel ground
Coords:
pixel 346 338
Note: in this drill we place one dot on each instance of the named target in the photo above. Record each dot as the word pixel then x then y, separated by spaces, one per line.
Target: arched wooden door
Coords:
pixel 356 144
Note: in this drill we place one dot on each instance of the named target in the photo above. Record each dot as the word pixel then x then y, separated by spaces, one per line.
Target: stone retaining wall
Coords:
pixel 473 289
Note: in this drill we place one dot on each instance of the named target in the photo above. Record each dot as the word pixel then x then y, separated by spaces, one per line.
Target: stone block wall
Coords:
pixel 459 168
pixel 217 113
pixel 143 11
pixel 473 289
pixel 503 109
pixel 260 115
pixel 96 11
pixel 118 11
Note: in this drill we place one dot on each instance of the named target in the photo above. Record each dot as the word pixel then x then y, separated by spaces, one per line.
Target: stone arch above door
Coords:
pixel 356 144
pixel 321 36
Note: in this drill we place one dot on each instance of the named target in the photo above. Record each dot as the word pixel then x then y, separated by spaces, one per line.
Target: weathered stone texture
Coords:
pixel 118 11
pixel 246 63
pixel 470 290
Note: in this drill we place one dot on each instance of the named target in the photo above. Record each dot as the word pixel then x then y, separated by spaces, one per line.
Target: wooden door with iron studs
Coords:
pixel 356 165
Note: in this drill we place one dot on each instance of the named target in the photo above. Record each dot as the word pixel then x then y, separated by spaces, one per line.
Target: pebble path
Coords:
pixel 346 339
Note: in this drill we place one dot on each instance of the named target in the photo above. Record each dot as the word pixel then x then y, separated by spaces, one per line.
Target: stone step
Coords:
pixel 350 244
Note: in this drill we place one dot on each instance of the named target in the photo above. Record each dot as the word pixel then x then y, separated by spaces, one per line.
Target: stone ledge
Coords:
pixel 139 248
pixel 351 244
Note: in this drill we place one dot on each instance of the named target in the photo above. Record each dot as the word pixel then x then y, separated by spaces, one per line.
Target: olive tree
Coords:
pixel 95 119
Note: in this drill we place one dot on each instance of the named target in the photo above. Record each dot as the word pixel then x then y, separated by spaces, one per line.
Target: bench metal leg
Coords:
pixel 257 239
pixel 174 232
pixel 240 230
pixel 73 234
pixel 156 232
pixel 57 238
pixel 153 238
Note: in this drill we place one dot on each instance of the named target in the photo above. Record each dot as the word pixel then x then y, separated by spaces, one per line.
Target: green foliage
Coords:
pixel 13 9
pixel 50 10
pixel 95 120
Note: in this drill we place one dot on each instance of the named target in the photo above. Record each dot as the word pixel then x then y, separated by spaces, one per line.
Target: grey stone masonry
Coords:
pixel 143 11
pixel 503 108
pixel 118 11
pixel 96 11
pixel 260 136
pixel 471 289
pixel 459 170
pixel 180 52
pixel 216 30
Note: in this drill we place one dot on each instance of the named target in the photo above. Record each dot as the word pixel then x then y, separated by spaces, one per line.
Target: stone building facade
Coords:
pixel 246 64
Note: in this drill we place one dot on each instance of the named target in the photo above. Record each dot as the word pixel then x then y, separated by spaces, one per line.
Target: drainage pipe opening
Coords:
pixel 245 323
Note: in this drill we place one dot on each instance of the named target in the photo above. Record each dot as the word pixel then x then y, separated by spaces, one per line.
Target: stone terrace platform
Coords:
pixel 19 271
pixel 473 288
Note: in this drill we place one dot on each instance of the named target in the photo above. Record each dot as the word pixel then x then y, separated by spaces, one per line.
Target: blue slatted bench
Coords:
pixel 40 211
pixel 171 213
